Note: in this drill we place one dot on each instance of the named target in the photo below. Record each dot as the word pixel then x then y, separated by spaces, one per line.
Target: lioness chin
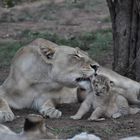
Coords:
pixel 42 75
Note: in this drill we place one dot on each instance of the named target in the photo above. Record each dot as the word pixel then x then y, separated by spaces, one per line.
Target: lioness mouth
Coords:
pixel 82 79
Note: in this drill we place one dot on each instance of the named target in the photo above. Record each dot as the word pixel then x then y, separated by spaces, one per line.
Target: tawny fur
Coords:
pixel 43 74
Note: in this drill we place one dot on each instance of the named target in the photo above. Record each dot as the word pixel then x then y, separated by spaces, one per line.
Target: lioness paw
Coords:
pixel 51 112
pixel 75 117
pixel 6 116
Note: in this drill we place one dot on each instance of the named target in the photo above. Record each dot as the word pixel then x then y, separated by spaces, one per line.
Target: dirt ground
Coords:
pixel 60 18
pixel 110 129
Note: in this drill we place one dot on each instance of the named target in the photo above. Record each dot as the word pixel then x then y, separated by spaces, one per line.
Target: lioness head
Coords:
pixel 102 85
pixel 68 64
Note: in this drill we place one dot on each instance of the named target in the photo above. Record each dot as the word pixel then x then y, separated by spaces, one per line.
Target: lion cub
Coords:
pixel 103 97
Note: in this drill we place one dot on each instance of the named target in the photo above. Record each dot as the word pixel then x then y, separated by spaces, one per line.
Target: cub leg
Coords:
pixel 134 110
pixel 97 113
pixel 81 95
pixel 123 106
pixel 84 108
pixel 48 109
pixel 135 101
pixel 116 115
pixel 6 113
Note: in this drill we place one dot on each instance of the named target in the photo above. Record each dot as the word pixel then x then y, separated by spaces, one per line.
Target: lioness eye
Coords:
pixel 77 56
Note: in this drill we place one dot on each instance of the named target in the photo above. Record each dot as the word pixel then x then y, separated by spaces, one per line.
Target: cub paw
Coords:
pixel 76 117
pixel 6 116
pixel 51 112
pixel 134 110
pixel 97 120
pixel 116 115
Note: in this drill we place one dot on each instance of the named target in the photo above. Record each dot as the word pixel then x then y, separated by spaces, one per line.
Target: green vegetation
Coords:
pixel 7 51
pixel 87 5
pixel 49 11
pixel 106 19
pixel 108 131
pixel 8 3
pixel 72 131
pixel 95 43
pixel 101 44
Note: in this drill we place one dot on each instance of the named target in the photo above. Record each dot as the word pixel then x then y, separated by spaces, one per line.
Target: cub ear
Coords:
pixel 47 52
pixel 112 83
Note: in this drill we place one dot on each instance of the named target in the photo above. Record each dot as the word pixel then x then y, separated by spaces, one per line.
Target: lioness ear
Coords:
pixel 48 52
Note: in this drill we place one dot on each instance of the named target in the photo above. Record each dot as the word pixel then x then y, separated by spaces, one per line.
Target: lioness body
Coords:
pixel 42 75
pixel 105 101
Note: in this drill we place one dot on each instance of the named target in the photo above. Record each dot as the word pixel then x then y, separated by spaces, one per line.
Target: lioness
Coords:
pixel 43 75
pixel 34 128
pixel 104 99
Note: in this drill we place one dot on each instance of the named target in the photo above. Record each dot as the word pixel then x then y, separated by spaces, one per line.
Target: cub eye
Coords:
pixel 96 85
pixel 104 88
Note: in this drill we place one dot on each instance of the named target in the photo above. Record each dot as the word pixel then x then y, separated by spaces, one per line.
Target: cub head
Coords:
pixel 102 86
pixel 67 64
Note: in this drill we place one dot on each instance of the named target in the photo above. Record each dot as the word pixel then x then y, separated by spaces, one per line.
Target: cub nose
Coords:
pixel 94 66
pixel 98 93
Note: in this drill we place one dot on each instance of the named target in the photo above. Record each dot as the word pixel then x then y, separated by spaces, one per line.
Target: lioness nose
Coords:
pixel 95 67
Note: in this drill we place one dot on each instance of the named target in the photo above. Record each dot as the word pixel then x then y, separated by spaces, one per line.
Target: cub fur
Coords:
pixel 132 87
pixel 103 97
pixel 42 75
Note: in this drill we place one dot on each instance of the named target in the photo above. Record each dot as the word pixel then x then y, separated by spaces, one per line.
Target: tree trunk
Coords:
pixel 126 36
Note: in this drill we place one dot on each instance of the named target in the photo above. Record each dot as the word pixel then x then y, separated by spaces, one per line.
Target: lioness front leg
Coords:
pixel 95 116
pixel 84 108
pixel 6 113
pixel 48 109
